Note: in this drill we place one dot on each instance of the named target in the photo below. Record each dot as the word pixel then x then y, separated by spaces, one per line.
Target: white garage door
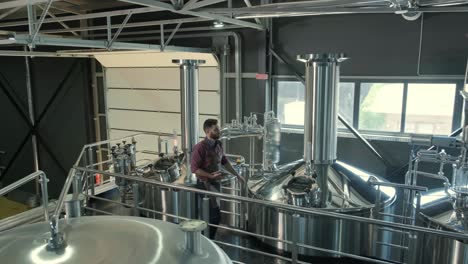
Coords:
pixel 147 99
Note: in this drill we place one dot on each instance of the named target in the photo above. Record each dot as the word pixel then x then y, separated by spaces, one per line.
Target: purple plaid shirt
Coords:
pixel 207 155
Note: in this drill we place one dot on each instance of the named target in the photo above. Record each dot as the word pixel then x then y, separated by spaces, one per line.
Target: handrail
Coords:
pixel 43 181
pixel 296 209
pixel 372 180
pixel 454 133
pixel 364 141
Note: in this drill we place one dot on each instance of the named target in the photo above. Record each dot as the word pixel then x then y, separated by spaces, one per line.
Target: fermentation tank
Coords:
pixel 446 208
pixel 318 180
pixel 437 211
pixel 112 239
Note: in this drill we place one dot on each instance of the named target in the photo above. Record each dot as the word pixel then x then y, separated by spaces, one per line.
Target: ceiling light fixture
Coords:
pixel 218 24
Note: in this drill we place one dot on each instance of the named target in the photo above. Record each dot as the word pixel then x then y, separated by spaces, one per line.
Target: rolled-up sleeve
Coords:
pixel 197 158
pixel 224 160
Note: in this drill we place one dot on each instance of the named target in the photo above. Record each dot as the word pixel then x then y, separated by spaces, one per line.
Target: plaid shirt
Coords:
pixel 207 155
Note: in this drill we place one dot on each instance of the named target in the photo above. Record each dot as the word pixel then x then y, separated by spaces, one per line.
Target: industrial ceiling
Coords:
pixel 100 24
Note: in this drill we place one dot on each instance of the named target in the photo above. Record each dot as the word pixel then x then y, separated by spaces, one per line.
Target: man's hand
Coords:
pixel 217 175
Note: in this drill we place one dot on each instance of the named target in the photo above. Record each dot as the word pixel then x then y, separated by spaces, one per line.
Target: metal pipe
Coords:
pixel 91 179
pixel 136 199
pixel 153 200
pixel 74 205
pixel 206 214
pixel 372 181
pixel 192 230
pixel 45 195
pixel 97 119
pixel 321 113
pixel 41 20
pixel 364 141
pixel 20 182
pixel 161 34
pixel 32 120
pixel 295 238
pixel 223 70
pixel 342 120
pixel 311 211
pixel 189 108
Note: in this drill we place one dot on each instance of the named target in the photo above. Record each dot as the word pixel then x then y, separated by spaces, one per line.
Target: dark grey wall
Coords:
pixel 65 126
pixel 379 45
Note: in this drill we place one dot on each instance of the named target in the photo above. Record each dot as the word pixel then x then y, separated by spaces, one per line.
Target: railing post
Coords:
pixel 376 215
pixel 295 238
pixel 175 203
pixel 136 199
pixel 153 200
pixel 147 199
pixel 77 183
pixel 413 242
pixel 45 195
pixel 206 214
pixel 90 165
pixel 73 205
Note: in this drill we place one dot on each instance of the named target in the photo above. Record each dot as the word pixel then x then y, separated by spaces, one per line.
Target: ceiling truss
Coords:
pixel 203 13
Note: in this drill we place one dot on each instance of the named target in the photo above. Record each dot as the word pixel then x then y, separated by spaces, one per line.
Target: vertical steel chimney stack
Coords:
pixel 321 114
pixel 189 108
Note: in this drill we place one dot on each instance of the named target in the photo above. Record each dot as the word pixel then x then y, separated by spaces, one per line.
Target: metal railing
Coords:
pixel 42 178
pixel 84 172
pixel 294 242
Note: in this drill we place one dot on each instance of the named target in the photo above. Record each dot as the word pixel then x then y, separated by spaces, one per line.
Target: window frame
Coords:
pixel 456 114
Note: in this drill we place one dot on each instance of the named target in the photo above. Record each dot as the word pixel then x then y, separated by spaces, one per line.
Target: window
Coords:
pixel 346 103
pixel 385 107
pixel 380 106
pixel 291 102
pixel 429 108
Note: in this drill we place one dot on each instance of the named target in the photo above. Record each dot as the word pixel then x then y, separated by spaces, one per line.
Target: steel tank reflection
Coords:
pixel 318 180
pixel 437 211
pixel 350 194
pixel 112 239
pixel 186 204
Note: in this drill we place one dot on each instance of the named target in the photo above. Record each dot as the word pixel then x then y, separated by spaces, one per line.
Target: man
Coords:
pixel 207 159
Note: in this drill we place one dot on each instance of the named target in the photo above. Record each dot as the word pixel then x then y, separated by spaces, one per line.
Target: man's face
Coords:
pixel 213 132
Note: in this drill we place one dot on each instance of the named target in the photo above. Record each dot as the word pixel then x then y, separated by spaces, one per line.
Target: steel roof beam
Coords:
pixel 20 3
pixel 169 7
pixel 13 53
pixel 87 16
pixel 9 12
pixel 201 4
pixel 24 39
pixel 129 25
pixel 157 32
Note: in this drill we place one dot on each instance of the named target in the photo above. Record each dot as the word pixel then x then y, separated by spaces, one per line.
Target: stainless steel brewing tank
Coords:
pixel 350 194
pixel 106 239
pixel 167 200
pixel 183 203
pixel 437 211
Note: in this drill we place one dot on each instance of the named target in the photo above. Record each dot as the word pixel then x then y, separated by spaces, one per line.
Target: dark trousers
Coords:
pixel 215 212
